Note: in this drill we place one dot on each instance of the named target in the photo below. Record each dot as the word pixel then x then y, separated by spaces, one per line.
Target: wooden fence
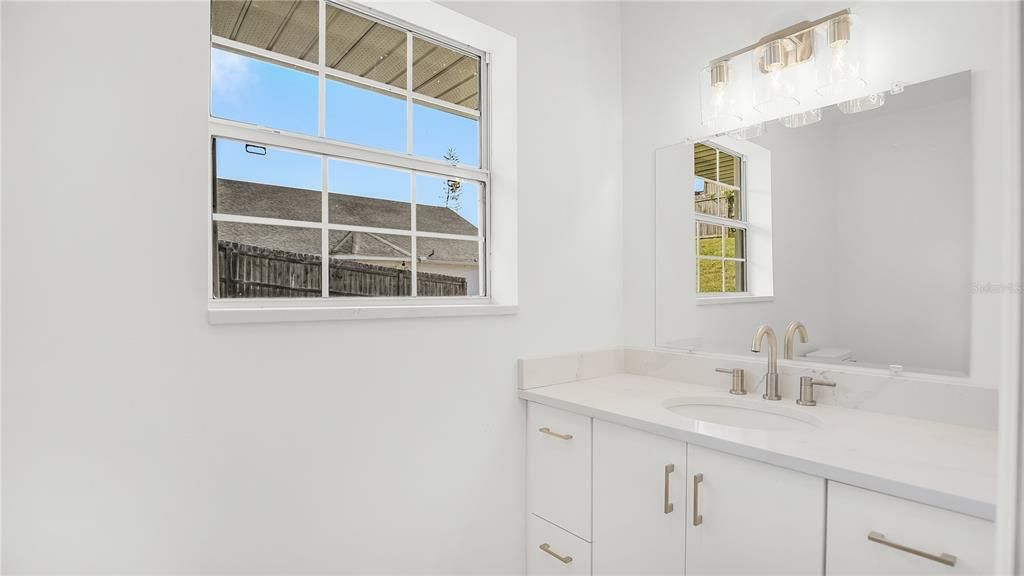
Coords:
pixel 247 271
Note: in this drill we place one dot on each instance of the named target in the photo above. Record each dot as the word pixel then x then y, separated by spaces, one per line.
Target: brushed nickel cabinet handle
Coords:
pixel 669 507
pixel 947 559
pixel 698 518
pixel 546 430
pixel 547 548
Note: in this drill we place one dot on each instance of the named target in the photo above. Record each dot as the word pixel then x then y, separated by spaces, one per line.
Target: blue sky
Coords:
pixel 257 92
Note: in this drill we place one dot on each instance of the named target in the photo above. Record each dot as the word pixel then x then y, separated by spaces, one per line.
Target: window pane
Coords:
pixel 450 206
pixel 364 116
pixel 257 92
pixel 709 239
pixel 367 264
pixel 288 28
pixel 260 261
pixel 705 162
pixel 705 198
pixel 710 275
pixel 448 267
pixel 444 135
pixel 734 276
pixel 729 202
pixel 266 181
pixel 734 243
pixel 728 169
pixel 365 48
pixel 445 74
pixel 362 195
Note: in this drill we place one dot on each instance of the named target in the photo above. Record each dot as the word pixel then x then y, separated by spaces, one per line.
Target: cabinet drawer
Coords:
pixel 905 537
pixel 551 550
pixel 558 467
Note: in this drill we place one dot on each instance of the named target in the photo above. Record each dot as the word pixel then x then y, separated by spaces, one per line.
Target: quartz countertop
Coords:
pixel 942 465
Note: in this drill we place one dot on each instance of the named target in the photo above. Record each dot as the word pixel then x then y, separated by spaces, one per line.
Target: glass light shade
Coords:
pixel 776 86
pixel 869 102
pixel 719 91
pixel 801 118
pixel 839 57
pixel 748 132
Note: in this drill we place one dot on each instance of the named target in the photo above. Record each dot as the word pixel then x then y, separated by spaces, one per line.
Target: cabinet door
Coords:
pixel 639 502
pixel 746 517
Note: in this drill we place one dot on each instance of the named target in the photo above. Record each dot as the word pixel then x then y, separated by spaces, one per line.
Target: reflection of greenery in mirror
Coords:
pixel 720 231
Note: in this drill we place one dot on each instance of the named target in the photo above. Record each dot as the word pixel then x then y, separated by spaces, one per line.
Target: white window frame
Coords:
pixel 498 294
pixel 742 224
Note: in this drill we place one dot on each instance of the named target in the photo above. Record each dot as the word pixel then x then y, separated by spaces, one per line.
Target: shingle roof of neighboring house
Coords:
pixel 251 199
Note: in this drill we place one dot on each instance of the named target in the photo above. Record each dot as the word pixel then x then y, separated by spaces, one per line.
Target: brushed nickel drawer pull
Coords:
pixel 669 507
pixel 947 559
pixel 546 430
pixel 698 519
pixel 547 548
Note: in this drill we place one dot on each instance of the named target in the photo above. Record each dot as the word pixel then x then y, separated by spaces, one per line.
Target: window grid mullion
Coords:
pixel 413 250
pixel 718 176
pixel 325 235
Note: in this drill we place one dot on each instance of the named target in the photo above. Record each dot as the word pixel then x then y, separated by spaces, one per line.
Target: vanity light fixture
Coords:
pixel 822 55
pixel 869 102
pixel 801 118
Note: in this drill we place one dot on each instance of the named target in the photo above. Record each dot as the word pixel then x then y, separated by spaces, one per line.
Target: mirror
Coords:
pixel 858 225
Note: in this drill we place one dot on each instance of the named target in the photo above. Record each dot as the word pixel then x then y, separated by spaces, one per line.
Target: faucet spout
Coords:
pixel 793 329
pixel 763 331
pixel 771 391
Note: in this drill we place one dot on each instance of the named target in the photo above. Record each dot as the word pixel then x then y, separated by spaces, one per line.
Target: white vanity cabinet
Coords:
pixel 639 502
pixel 607 499
pixel 746 517
pixel 872 533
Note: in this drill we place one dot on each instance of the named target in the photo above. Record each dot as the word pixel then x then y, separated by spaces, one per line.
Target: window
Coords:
pixel 349 156
pixel 720 227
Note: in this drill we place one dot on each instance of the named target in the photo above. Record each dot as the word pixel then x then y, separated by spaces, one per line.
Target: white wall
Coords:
pixel 665 44
pixel 137 438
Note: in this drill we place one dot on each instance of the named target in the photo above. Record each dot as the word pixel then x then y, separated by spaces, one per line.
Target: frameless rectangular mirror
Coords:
pixel 858 225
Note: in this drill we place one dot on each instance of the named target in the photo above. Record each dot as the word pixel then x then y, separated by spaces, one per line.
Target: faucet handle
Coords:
pixel 737 380
pixel 807 384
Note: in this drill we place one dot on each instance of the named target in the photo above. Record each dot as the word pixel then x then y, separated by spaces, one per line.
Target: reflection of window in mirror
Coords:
pixel 720 221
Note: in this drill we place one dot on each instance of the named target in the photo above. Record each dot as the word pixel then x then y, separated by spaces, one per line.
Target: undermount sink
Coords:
pixel 752 414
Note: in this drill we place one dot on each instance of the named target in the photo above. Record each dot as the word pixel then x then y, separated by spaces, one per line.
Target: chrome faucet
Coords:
pixel 791 330
pixel 771 379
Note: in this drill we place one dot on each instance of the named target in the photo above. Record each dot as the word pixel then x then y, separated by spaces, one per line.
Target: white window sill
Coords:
pixel 741 299
pixel 221 312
